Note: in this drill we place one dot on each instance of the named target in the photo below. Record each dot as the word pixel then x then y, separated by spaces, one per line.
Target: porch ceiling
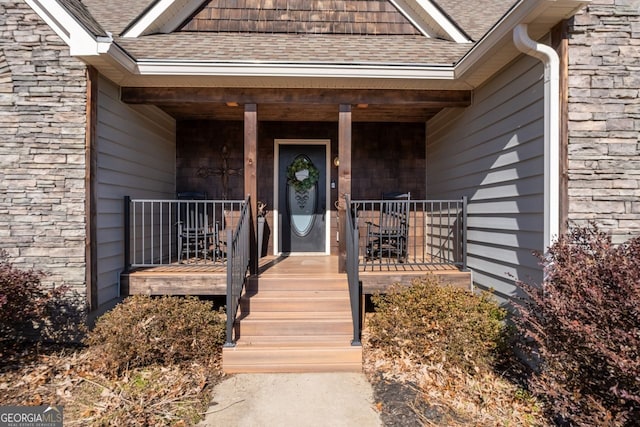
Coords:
pixel 298 105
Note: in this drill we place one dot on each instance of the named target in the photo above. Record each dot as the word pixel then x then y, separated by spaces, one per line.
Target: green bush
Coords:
pixel 142 331
pixel 431 322
pixel 583 326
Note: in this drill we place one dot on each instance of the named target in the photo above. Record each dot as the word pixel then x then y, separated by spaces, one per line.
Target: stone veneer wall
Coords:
pixel 604 117
pixel 42 149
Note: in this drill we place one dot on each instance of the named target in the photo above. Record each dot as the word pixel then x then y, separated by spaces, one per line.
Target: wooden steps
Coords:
pixel 294 324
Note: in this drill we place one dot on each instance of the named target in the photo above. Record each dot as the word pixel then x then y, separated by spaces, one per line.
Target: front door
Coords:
pixel 302 198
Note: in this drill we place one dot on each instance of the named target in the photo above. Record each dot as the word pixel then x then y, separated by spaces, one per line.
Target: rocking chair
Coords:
pixel 388 239
pixel 197 237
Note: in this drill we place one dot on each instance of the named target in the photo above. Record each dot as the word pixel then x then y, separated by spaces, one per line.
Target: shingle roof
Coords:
pixel 115 15
pixel 294 48
pixel 80 12
pixel 475 17
pixel 302 16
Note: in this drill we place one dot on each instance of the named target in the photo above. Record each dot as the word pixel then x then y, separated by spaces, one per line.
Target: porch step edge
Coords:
pixel 295 340
pixel 291 368
pixel 292 316
pixel 269 356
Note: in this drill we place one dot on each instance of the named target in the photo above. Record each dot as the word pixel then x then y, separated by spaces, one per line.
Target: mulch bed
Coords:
pixel 405 394
pixel 410 394
pixel 401 404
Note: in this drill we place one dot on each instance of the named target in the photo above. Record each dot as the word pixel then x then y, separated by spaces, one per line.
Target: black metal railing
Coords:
pixel 161 232
pixel 355 289
pixel 238 255
pixel 428 233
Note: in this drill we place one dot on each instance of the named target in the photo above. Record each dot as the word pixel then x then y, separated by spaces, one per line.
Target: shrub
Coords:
pixel 583 324
pixel 24 303
pixel 430 322
pixel 142 331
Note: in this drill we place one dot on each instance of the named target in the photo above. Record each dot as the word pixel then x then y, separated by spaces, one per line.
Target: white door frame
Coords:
pixel 276 201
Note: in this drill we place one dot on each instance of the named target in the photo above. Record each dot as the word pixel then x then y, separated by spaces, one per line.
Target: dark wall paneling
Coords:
pixel 385 157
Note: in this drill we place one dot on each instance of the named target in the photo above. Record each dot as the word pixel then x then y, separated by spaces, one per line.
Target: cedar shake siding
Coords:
pixel 492 152
pixel 42 154
pixel 604 118
pixel 373 17
pixel 386 157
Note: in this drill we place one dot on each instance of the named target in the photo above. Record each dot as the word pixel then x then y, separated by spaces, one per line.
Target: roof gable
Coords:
pixel 80 12
pixel 475 17
pixel 70 20
pixel 357 17
pixel 294 60
pixel 371 17
pixel 115 15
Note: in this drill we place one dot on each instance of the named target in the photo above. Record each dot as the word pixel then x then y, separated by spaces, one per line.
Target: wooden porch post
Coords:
pixel 344 180
pixel 91 159
pixel 251 176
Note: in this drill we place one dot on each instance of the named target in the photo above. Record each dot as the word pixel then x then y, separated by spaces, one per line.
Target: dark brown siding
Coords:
pixel 200 157
pixel 386 157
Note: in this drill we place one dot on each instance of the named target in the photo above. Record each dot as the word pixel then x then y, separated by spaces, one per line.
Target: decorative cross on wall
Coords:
pixel 224 171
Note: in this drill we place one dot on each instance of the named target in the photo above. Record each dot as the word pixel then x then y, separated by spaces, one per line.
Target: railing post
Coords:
pixel 355 289
pixel 351 239
pixel 238 259
pixel 127 233
pixel 231 315
pixel 464 233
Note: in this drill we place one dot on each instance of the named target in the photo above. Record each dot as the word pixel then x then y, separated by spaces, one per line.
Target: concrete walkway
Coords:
pixel 300 400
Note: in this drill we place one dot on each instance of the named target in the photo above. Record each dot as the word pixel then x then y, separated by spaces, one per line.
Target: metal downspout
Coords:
pixel 551 61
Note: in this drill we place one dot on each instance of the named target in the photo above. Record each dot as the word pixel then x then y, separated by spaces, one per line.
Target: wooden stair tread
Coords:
pixel 297 346
pixel 295 306
pixel 303 316
pixel 297 294
pixel 294 340
pixel 294 323
pixel 295 354
pixel 288 316
pixel 291 368
pixel 300 284
pixel 292 355
pixel 308 278
pixel 296 300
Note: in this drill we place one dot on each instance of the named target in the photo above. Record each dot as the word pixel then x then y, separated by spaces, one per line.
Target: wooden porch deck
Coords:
pixel 211 279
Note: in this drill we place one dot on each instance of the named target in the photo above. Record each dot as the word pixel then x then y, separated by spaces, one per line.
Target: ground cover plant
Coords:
pixel 25 305
pixel 148 362
pixel 582 329
pixel 434 355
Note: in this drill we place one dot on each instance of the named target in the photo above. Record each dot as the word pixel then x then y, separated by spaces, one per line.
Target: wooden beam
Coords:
pixel 174 283
pixel 251 176
pixel 407 113
pixel 172 95
pixel 344 181
pixel 91 160
pixel 380 281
